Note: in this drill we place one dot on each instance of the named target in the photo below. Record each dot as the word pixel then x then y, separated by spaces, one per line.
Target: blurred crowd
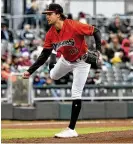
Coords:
pixel 21 48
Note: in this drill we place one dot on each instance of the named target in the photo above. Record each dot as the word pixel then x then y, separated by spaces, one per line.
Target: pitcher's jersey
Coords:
pixel 70 40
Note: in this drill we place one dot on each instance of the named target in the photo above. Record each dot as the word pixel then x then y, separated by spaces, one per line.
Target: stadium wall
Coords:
pixel 61 111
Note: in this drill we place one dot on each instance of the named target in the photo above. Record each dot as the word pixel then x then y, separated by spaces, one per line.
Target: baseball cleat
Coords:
pixel 67 133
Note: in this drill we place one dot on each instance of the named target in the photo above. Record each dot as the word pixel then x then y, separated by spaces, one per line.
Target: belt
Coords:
pixel 83 57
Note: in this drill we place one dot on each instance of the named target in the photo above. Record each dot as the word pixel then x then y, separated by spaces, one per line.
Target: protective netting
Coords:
pixel 19 90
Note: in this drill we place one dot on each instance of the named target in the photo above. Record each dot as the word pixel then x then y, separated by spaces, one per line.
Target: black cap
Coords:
pixel 54 8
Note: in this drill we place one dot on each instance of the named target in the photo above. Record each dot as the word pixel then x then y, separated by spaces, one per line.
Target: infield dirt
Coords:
pixel 102 137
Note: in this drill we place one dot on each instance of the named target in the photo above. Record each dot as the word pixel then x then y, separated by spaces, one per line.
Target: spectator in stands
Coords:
pixel 131 42
pixel 24 62
pixel 130 53
pixel 82 18
pixel 16 51
pixel 33 10
pixel 117 26
pixel 5 73
pixel 117 58
pixel 34 55
pixel 49 81
pixel 14 65
pixel 114 45
pixel 26 33
pixel 23 46
pixel 6 34
pixel 69 16
pixel 126 46
pixel 19 48
pixel 4 57
pixel 39 81
pixel 97 78
pixel 9 61
pixel 38 43
pixel 94 78
pixel 124 56
pixel 25 59
pixel 90 80
pixel 105 50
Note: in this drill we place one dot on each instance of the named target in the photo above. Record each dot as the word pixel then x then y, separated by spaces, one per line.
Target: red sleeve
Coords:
pixel 83 29
pixel 47 41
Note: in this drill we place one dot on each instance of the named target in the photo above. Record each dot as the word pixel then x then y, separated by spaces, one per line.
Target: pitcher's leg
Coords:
pixel 61 68
pixel 80 75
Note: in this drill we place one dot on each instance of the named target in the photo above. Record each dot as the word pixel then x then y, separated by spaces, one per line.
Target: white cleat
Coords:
pixel 67 133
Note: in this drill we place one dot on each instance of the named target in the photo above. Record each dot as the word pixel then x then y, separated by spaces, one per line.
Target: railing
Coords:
pixel 16 22
pixel 110 92
pixel 90 92
pixel 38 19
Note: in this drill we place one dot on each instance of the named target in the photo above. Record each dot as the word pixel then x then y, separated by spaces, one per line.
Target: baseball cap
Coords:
pixel 54 8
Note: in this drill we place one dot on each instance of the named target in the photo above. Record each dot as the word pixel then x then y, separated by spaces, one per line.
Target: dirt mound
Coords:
pixel 102 137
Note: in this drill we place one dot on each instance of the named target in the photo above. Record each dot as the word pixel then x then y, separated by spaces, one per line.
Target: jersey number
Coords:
pixel 73 51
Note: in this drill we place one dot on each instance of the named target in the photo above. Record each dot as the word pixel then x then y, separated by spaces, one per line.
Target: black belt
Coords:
pixel 83 57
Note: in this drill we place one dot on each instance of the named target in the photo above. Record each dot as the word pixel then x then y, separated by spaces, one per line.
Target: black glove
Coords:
pixel 92 57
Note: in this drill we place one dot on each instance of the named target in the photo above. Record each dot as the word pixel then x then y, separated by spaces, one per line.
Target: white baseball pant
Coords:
pixel 80 73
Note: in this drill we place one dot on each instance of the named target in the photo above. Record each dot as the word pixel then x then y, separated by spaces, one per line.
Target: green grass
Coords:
pixel 31 133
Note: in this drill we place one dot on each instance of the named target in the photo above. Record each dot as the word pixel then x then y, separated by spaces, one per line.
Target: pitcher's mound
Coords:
pixel 102 137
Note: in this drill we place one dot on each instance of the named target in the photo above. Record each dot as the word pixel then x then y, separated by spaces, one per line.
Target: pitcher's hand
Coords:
pixel 26 75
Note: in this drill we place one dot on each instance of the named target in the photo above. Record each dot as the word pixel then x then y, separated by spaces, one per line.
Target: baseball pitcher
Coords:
pixel 67 37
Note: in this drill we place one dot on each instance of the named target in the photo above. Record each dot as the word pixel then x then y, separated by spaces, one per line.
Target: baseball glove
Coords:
pixel 92 57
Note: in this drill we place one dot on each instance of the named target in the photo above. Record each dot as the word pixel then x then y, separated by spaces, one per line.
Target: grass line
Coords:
pixel 35 133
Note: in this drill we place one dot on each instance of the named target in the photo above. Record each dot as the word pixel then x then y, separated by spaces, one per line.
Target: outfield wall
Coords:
pixel 62 111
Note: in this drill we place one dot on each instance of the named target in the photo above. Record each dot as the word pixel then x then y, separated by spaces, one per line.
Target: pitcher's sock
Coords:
pixel 76 106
